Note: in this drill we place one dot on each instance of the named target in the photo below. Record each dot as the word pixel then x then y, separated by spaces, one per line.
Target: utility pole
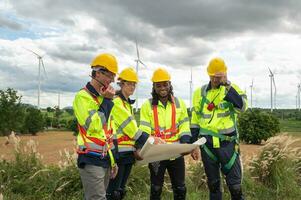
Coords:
pixel 298 95
pixel 251 91
pixel 59 100
pixel 271 78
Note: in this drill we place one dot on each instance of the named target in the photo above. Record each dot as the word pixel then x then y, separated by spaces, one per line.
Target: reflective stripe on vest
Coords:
pixel 168 133
pixel 106 144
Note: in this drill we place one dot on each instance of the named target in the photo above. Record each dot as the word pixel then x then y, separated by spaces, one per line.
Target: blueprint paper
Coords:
pixel 151 152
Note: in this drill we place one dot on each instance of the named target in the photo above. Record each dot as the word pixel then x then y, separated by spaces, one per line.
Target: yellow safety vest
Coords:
pixel 219 119
pixel 166 130
pixel 95 133
pixel 127 131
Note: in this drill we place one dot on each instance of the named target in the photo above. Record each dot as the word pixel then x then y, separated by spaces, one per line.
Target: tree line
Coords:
pixel 254 125
pixel 27 119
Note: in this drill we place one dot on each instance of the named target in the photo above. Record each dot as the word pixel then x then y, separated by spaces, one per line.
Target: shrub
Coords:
pixel 27 178
pixel 275 166
pixel 255 126
pixel 11 112
pixel 34 121
pixel 72 126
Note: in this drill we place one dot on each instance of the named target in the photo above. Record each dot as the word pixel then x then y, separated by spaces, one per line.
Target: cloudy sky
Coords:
pixel 178 35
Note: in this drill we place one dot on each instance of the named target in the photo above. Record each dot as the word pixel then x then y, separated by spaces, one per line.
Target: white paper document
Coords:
pixel 151 152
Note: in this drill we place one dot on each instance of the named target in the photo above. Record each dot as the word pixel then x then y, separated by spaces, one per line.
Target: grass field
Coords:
pixel 290 126
pixel 26 179
pixel 50 143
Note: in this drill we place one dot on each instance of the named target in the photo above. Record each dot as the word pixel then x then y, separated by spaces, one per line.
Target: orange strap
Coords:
pixel 83 132
pixel 123 138
pixel 173 128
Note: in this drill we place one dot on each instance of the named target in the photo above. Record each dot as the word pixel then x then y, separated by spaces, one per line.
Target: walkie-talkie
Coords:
pixel 103 85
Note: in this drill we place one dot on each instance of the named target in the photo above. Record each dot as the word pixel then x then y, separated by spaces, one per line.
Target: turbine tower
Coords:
pixel 41 63
pixel 138 61
pixel 273 85
pixel 251 91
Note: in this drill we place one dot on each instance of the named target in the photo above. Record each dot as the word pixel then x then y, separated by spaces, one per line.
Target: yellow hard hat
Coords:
pixel 128 74
pixel 106 61
pixel 216 65
pixel 160 75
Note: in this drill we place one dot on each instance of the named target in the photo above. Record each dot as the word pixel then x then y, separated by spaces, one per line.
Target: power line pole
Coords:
pixel 271 79
pixel 298 94
pixel 59 100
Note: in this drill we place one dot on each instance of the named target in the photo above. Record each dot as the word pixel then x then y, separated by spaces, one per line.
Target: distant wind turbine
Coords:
pixel 138 61
pixel 251 91
pixel 41 63
pixel 273 85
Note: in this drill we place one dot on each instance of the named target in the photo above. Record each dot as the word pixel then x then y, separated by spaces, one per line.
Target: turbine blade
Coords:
pixel 32 52
pixel 44 68
pixel 142 63
pixel 270 71
pixel 274 82
pixel 138 56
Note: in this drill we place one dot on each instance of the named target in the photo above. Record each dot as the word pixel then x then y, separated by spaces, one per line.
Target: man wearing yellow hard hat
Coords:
pixel 92 107
pixel 165 116
pixel 214 116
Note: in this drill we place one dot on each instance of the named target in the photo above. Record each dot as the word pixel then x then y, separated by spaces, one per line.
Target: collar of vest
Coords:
pixel 156 101
pixel 209 86
pixel 130 101
pixel 92 89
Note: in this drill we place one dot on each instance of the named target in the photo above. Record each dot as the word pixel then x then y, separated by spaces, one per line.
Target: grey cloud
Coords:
pixel 8 23
pixel 73 52
pixel 25 78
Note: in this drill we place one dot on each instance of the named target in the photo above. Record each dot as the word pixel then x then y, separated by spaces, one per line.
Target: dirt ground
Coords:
pixel 51 143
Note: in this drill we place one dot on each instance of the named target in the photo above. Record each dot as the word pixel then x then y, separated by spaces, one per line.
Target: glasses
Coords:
pixel 107 74
pixel 133 84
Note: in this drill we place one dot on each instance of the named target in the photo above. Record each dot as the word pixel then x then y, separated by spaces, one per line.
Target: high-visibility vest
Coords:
pixel 169 123
pixel 127 131
pixel 95 133
pixel 219 120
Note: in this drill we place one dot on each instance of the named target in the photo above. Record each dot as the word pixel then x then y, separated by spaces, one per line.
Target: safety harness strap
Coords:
pixel 108 137
pixel 173 130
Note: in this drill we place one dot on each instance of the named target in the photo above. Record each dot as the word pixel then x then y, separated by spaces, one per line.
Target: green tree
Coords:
pixel 11 111
pixel 34 121
pixel 72 125
pixel 49 109
pixel 255 126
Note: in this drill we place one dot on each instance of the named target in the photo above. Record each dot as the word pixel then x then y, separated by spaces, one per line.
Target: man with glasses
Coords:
pixel 92 107
pixel 214 116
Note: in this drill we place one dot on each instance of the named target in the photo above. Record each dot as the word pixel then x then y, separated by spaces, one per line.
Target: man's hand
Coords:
pixel 114 171
pixel 107 92
pixel 196 154
pixel 158 140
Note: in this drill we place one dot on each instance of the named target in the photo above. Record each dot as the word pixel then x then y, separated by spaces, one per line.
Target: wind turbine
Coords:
pixel 251 90
pixel 273 103
pixel 41 63
pixel 138 61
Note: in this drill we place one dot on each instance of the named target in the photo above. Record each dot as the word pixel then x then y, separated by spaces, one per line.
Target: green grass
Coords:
pixel 290 126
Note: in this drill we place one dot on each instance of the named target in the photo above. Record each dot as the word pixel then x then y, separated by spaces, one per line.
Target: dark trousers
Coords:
pixel 176 171
pixel 116 189
pixel 212 169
